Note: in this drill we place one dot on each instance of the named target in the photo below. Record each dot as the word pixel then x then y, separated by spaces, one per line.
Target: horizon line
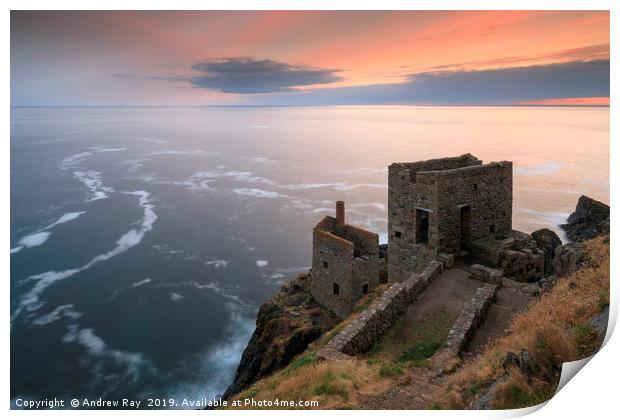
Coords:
pixel 317 105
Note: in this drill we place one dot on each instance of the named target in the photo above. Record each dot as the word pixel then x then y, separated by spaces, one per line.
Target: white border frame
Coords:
pixel 591 395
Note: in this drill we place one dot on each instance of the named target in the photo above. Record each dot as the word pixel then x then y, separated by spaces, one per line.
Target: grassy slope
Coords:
pixel 553 330
pixel 333 384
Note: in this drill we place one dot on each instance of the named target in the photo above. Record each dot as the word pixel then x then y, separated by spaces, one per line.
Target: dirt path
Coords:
pixel 508 303
pixel 412 391
pixel 429 319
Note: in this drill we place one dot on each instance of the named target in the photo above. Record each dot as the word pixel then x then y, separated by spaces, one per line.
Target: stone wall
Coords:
pixel 486 189
pixel 487 275
pixel 469 319
pixel 364 242
pixel 332 262
pixel 437 190
pixel 363 332
pixel 516 254
pixel 525 265
pixel 345 258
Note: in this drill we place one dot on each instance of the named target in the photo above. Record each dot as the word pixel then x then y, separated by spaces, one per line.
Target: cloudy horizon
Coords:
pixel 309 58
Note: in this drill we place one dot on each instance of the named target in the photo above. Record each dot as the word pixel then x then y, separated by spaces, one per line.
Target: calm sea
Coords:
pixel 143 240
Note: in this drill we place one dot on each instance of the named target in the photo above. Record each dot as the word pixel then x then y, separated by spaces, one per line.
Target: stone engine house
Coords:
pixel 439 210
pixel 442 206
pixel 345 263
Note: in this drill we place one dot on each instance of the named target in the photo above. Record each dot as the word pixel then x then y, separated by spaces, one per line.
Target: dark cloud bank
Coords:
pixel 250 75
pixel 576 79
pixel 269 82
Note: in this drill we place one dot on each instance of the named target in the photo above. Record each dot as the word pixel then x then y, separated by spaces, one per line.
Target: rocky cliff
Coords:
pixel 516 370
pixel 590 219
pixel 285 325
pixel 288 323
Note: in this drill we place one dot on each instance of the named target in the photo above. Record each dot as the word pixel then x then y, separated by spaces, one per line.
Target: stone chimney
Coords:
pixel 339 213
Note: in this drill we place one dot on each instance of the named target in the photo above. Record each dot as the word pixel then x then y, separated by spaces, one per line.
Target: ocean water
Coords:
pixel 143 240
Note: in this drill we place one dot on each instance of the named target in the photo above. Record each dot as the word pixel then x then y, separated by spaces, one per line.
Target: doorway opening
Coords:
pixel 421 226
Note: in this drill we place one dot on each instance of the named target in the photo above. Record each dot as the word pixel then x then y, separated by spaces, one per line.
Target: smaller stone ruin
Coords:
pixel 346 263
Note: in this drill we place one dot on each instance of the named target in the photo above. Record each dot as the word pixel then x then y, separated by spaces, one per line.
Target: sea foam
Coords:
pixel 99 352
pixel 42 235
pixel 30 301
pixel 92 180
pixel 66 310
pixel 34 239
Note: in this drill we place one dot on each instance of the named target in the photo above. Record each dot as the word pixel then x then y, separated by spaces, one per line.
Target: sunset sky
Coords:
pixel 309 58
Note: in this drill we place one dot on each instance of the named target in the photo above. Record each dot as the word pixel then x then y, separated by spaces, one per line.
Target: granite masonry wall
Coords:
pixel 441 206
pixel 345 265
pixel 485 189
pixel 363 332
pixel 487 275
pixel 469 319
pixel 516 254
pixel 525 265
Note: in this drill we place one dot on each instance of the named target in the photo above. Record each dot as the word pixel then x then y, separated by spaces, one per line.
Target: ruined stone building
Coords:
pixel 442 206
pixel 440 209
pixel 345 263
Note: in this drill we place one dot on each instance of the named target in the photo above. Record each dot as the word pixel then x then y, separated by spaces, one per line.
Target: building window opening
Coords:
pixel 325 265
pixel 383 277
pixel 474 187
pixel 397 234
pixel 492 228
pixel 336 289
pixel 365 289
pixel 421 226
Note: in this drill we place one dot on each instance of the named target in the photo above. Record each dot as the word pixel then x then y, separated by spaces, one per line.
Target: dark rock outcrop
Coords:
pixel 590 219
pixel 285 326
pixel 547 283
pixel 599 322
pixel 547 240
pixel 567 259
pixel 522 361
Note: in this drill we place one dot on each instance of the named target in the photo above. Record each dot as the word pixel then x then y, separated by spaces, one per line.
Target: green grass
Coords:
pixel 474 389
pixel 412 345
pixel 426 339
pixel 252 391
pixel 516 396
pixel 390 370
pixel 603 299
pixel 304 360
pixel 361 307
pixel 325 338
pixel 329 386
pixel 365 302
pixel 384 341
pixel 421 351
pixel 324 385
pixel 586 337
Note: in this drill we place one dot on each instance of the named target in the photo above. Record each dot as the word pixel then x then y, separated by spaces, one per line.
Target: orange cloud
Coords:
pixel 78 51
pixel 599 101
